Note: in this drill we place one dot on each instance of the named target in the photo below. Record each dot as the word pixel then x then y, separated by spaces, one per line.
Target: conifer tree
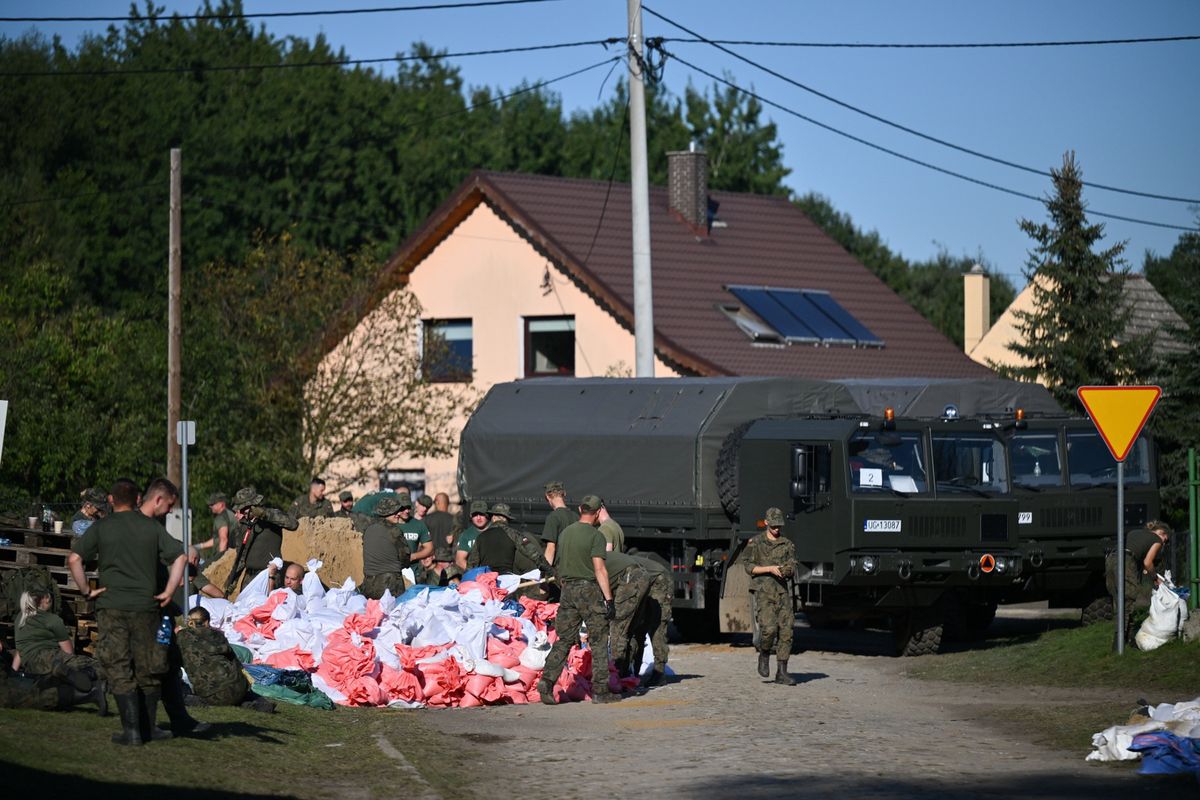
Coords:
pixel 1075 334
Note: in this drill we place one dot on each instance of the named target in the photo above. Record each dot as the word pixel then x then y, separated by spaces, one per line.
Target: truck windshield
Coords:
pixel 885 461
pixel 970 463
pixel 1092 465
pixel 1037 460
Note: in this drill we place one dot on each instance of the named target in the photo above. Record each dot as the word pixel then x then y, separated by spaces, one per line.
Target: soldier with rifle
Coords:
pixel 259 536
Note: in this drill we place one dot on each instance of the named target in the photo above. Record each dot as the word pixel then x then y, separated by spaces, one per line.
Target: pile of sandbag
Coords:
pixel 1168 613
pixel 1177 722
pixel 440 647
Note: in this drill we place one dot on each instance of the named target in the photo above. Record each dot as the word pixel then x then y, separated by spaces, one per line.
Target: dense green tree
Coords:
pixel 1075 334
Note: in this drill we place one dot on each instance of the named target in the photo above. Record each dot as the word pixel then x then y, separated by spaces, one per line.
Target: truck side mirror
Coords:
pixel 801 472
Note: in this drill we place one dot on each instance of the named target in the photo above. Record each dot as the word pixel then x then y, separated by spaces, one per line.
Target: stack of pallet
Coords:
pixel 50 550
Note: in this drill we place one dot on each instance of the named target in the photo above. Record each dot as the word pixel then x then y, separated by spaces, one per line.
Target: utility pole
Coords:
pixel 174 315
pixel 643 295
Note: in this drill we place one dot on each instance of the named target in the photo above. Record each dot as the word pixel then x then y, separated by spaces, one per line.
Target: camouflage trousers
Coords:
pixel 375 585
pixel 20 692
pixel 581 602
pixel 1139 588
pixel 57 663
pixel 629 590
pixel 775 617
pixel 652 619
pixel 128 652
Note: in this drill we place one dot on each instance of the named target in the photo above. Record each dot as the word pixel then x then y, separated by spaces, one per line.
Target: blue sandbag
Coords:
pixel 472 574
pixel 1164 753
pixel 412 592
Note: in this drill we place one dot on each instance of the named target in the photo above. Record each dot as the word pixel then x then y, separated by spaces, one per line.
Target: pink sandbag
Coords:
pixel 539 612
pixel 401 685
pixel 489 690
pixel 529 677
pixel 516 694
pixel 415 654
pixel 510 624
pixel 505 654
pixel 367 621
pixel 342 660
pixel 443 682
pixel 575 682
pixel 364 691
pixel 259 619
pixel 492 592
pixel 292 658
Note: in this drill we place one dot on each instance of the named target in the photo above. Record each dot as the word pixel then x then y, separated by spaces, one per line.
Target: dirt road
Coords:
pixel 854 727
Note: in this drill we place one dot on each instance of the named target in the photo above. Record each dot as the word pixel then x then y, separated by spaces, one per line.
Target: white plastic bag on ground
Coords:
pixel 1168 612
pixel 1112 744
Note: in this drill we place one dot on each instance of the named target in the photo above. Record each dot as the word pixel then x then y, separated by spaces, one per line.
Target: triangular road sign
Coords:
pixel 1119 413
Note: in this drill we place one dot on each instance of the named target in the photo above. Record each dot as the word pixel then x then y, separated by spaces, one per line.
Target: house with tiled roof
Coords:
pixel 524 276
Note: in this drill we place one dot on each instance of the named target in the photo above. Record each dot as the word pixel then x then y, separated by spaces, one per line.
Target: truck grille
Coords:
pixel 993 527
pixel 938 527
pixel 1072 517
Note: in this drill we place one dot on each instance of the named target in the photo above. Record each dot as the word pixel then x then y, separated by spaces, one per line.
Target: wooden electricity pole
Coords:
pixel 174 318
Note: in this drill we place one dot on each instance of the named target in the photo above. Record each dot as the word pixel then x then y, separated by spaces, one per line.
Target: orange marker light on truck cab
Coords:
pixel 889 418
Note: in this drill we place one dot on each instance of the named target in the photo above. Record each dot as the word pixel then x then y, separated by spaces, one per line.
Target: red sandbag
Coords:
pixel 401 685
pixel 342 660
pixel 367 621
pixel 443 682
pixel 539 611
pixel 292 658
pixel 259 619
pixel 364 691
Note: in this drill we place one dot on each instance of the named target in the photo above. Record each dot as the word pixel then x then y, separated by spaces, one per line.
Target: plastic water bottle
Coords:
pixel 1037 469
pixel 583 637
pixel 163 636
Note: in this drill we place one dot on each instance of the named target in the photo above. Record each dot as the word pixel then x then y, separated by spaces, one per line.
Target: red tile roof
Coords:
pixel 766 241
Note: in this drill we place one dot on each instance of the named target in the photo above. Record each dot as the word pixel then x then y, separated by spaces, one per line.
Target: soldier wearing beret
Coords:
pixel 770 560
pixel 385 551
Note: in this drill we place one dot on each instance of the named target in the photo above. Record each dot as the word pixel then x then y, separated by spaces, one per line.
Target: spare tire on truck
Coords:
pixel 727 470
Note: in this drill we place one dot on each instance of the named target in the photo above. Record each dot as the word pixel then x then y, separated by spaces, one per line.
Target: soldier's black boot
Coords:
pixel 149 714
pixel 622 665
pixel 546 693
pixel 764 664
pixel 175 704
pixel 97 695
pixel 656 676
pixel 128 706
pixel 781 673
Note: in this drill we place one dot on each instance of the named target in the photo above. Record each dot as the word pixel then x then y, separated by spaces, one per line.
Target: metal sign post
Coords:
pixel 1119 414
pixel 185 435
pixel 3 419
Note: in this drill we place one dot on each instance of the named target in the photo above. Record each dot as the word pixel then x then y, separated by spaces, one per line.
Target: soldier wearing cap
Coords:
pixel 480 519
pixel 259 535
pixel 424 503
pixel 770 560
pixel 420 542
pixel 506 550
pixel 345 504
pixel 385 550
pixel 315 503
pixel 558 519
pixel 224 524
pixel 586 599
pixel 94 506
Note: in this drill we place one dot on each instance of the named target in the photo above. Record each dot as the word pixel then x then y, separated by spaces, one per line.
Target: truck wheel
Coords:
pixel 1099 610
pixel 727 469
pixel 918 632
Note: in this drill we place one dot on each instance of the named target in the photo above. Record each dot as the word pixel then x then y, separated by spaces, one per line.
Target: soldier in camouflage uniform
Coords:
pixel 629 581
pixel 345 504
pixel 313 504
pixel 770 560
pixel 43 694
pixel 653 618
pixel 509 551
pixel 385 551
pixel 259 536
pixel 1143 556
pixel 214 671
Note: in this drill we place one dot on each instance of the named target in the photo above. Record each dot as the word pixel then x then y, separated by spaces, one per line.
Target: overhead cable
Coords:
pixel 333 12
pixel 908 158
pixel 905 128
pixel 935 45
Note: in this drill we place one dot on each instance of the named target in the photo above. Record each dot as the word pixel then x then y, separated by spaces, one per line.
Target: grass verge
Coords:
pixel 296 752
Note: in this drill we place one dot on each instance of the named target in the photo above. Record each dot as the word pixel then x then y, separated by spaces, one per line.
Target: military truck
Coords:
pixel 898 493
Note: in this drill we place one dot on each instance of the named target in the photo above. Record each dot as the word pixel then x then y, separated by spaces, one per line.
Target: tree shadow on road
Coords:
pixel 38 783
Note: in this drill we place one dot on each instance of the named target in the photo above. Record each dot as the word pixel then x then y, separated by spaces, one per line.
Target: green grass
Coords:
pixel 297 751
pixel 1073 657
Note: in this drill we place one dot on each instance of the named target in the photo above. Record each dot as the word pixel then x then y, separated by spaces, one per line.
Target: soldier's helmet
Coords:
pixel 501 510
pixel 247 496
pixel 774 518
pixel 387 506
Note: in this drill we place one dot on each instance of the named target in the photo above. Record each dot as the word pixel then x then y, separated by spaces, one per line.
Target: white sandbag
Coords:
pixel 1168 612
pixel 534 656
pixel 1112 744
pixel 218 609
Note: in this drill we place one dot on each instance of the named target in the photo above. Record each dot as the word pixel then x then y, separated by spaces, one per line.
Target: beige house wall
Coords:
pixel 486 272
pixel 992 349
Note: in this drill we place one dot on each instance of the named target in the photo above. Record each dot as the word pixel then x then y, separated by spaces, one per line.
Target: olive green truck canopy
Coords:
pixel 654 442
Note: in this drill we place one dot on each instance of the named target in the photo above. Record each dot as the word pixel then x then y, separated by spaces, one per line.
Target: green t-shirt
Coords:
pixel 612 533
pixel 128 547
pixel 578 544
pixel 466 539
pixel 618 562
pixel 226 519
pixel 416 532
pixel 43 631
pixel 385 549
pixel 556 523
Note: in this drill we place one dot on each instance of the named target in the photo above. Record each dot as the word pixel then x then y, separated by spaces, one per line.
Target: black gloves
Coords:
pixel 610 609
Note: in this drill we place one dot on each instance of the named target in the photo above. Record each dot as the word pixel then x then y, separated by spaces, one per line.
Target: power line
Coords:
pixel 908 158
pixel 898 126
pixel 196 68
pixel 935 46
pixel 277 14
pixel 80 196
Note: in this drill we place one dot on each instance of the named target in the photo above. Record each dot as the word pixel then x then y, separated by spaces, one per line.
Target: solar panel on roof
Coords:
pixel 833 309
pixel 774 314
pixel 799 305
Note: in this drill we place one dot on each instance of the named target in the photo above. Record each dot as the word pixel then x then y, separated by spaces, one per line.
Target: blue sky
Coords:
pixel 1128 111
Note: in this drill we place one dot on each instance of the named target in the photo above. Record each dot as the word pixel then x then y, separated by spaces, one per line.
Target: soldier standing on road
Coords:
pixel 260 532
pixel 313 504
pixel 128 546
pixel 385 551
pixel 770 561
pixel 558 519
pixel 586 599
pixel 629 581
pixel 652 620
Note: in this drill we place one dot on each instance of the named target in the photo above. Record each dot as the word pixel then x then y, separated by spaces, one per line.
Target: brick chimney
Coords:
pixel 976 307
pixel 687 185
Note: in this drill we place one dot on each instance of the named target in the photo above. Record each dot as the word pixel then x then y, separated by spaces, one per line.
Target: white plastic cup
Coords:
pixel 33 523
pixel 58 526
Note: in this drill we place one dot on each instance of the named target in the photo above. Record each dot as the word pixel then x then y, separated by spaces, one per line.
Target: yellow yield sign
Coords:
pixel 1119 413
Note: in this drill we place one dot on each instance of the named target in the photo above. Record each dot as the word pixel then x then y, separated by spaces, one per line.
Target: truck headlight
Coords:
pixel 869 564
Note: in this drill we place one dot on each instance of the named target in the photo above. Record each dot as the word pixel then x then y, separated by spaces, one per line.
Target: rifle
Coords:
pixel 239 564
